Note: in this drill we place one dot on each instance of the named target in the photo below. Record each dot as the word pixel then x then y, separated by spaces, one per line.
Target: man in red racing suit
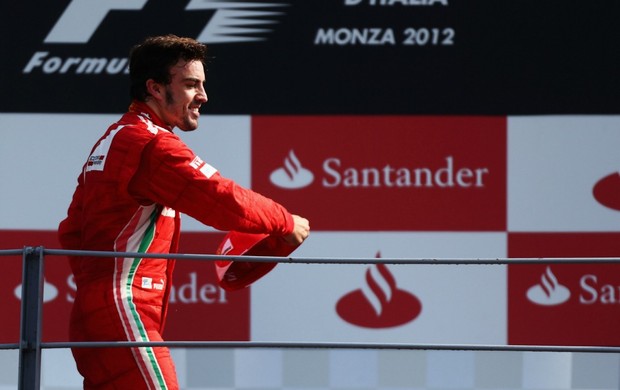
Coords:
pixel 137 180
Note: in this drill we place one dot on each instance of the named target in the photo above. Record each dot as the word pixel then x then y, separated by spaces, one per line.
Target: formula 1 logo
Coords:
pixel 233 21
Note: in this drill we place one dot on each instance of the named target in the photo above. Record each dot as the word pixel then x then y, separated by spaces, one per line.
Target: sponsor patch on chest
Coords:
pixel 147 283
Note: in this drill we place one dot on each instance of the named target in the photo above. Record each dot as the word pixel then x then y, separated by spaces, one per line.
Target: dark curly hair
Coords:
pixel 153 58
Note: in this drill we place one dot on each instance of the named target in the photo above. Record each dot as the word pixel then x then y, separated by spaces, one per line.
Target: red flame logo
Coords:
pixel 379 304
pixel 607 191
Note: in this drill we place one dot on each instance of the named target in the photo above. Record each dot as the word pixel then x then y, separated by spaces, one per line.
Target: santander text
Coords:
pixel 387 176
pixel 593 292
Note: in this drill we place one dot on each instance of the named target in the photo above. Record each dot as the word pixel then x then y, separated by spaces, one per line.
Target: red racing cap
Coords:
pixel 235 275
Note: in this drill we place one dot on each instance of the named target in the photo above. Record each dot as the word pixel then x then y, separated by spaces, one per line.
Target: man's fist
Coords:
pixel 300 231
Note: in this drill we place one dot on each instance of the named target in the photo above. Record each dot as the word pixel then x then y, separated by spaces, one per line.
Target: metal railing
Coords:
pixel 30 345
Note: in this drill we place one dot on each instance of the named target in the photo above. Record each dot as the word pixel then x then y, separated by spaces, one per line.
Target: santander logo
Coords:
pixel 334 173
pixel 607 191
pixel 50 292
pixel 549 291
pixel 379 303
pixel 292 175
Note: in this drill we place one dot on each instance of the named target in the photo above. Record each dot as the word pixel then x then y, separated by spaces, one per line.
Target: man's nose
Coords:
pixel 203 95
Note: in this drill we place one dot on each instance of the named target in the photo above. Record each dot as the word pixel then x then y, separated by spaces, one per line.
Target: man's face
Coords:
pixel 184 95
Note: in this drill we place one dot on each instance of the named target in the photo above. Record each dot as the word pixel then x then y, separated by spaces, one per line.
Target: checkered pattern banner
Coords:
pixel 380 187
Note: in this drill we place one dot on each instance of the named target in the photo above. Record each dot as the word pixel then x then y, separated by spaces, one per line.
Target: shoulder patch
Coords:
pixel 206 169
pixel 96 161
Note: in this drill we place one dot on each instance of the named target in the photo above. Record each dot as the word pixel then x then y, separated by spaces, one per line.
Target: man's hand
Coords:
pixel 300 231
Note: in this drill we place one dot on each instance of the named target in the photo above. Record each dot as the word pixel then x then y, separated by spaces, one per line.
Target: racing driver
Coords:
pixel 137 180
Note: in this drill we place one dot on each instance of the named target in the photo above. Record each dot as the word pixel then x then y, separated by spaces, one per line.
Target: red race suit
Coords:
pixel 137 180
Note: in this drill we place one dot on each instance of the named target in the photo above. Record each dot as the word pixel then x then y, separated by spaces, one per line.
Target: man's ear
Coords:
pixel 155 89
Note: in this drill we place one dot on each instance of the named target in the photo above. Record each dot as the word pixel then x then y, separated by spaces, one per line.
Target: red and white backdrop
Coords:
pixel 413 129
pixel 380 186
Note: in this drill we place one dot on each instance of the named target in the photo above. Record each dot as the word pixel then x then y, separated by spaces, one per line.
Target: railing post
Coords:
pixel 31 313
